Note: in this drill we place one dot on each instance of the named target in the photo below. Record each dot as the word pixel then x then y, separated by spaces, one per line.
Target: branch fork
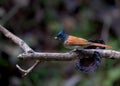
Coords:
pixel 21 44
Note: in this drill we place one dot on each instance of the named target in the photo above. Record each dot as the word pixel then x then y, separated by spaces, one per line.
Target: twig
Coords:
pixel 28 70
pixel 69 56
pixel 21 44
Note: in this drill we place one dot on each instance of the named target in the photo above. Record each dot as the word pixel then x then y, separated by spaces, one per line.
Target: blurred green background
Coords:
pixel 38 21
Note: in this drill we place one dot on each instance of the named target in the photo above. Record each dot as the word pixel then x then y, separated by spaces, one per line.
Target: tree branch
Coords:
pixel 29 69
pixel 21 44
pixel 15 39
pixel 112 54
pixel 44 56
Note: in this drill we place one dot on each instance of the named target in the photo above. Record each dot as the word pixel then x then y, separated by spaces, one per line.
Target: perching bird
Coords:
pixel 76 43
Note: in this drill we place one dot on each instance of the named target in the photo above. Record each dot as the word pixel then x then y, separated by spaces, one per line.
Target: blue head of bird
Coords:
pixel 62 35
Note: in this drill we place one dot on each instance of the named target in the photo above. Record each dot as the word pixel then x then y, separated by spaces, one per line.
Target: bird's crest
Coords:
pixel 62 35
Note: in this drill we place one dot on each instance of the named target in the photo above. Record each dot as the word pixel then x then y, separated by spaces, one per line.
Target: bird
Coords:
pixel 76 43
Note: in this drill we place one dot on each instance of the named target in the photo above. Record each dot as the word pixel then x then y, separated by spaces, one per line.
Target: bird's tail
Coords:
pixel 100 45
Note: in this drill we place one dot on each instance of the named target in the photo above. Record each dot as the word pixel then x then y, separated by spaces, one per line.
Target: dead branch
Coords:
pixel 29 69
pixel 112 54
pixel 50 56
pixel 21 44
pixel 15 39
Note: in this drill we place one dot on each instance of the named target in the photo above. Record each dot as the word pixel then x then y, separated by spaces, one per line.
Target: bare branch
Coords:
pixel 15 39
pixel 28 70
pixel 21 44
pixel 69 56
pixel 49 56
pixel 112 54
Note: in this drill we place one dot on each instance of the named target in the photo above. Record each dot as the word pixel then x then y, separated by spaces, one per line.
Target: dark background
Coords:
pixel 38 21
